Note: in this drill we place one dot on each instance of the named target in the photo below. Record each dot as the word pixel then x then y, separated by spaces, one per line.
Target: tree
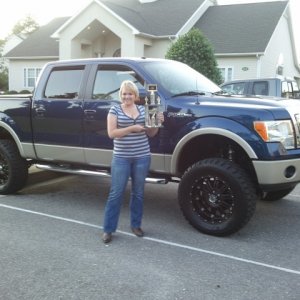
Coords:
pixel 3 70
pixel 194 49
pixel 25 26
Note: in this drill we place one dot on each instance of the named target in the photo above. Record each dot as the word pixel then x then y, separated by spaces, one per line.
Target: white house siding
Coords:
pixel 243 67
pixel 158 49
pixel 16 72
pixel 279 52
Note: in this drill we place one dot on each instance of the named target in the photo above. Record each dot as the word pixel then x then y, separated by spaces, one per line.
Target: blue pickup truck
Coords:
pixel 225 152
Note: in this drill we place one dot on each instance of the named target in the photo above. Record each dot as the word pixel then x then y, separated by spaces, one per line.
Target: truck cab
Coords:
pixel 263 87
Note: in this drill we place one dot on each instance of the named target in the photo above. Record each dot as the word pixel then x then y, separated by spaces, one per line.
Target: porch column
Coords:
pixel 69 49
pixel 132 46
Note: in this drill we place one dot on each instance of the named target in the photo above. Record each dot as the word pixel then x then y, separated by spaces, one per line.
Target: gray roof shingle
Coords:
pixel 241 28
pixel 39 43
pixel 159 18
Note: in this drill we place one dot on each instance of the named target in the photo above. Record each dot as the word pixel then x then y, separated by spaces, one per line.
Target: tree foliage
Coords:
pixel 195 50
pixel 4 79
pixel 25 26
pixel 3 70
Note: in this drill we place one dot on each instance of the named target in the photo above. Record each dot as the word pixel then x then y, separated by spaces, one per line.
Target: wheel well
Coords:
pixel 211 145
pixel 5 135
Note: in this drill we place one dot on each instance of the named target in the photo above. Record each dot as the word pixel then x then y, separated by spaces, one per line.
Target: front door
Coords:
pixel 101 94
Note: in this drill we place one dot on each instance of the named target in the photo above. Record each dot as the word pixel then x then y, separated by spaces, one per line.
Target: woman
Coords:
pixel 131 158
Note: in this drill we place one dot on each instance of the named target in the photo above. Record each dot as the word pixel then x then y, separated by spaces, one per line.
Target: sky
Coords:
pixel 44 11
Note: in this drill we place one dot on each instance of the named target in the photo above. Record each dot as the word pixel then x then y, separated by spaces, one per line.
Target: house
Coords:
pixel 249 40
pixel 11 42
pixel 28 57
pixel 256 41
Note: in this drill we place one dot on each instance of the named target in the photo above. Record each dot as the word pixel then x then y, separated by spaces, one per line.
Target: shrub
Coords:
pixel 195 50
pixel 24 92
pixel 12 92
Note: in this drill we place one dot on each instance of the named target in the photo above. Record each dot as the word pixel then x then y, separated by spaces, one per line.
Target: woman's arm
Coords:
pixel 115 132
pixel 151 132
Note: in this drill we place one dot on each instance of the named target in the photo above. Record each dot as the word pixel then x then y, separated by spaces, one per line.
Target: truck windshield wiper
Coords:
pixel 220 92
pixel 189 93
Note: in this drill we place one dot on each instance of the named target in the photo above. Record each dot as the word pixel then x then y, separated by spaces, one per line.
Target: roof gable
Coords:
pixel 159 18
pixel 39 43
pixel 248 29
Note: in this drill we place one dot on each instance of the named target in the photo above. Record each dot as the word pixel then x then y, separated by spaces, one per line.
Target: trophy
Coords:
pixel 152 107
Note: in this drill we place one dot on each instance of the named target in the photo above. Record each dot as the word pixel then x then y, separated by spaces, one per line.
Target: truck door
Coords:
pixel 57 115
pixel 102 93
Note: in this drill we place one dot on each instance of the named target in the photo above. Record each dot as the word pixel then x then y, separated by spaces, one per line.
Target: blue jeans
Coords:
pixel 121 170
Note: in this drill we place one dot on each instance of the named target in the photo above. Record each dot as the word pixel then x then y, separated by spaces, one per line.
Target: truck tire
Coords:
pixel 276 195
pixel 216 197
pixel 13 168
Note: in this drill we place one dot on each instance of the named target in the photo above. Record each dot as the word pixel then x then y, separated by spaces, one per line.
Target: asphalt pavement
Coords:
pixel 51 248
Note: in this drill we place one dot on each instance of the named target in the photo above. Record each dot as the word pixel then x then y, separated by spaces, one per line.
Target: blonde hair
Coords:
pixel 130 86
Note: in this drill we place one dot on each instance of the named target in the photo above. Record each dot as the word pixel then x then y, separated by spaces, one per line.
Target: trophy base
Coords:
pixel 153 126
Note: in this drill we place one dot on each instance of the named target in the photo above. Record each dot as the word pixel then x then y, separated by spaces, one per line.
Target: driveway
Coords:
pixel 51 248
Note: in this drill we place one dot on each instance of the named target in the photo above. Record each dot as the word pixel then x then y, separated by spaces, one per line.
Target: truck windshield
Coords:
pixel 177 78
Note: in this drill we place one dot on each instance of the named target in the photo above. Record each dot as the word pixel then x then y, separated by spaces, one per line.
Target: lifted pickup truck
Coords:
pixel 263 87
pixel 225 152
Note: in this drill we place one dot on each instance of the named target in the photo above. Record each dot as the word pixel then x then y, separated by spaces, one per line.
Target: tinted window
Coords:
pixel 260 88
pixel 64 83
pixel 235 88
pixel 108 81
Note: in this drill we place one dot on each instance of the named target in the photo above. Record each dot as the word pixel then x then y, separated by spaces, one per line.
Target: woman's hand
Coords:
pixel 161 117
pixel 137 128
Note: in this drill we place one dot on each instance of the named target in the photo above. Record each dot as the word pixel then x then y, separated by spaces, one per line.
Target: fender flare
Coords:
pixel 14 136
pixel 209 130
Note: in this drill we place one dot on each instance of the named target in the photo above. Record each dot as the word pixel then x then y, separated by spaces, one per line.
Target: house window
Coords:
pixel 226 73
pixel 30 77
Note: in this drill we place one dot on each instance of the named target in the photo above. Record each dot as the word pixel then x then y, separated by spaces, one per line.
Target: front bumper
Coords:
pixel 278 172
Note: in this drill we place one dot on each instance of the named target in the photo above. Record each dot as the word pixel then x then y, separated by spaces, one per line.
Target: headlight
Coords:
pixel 276 131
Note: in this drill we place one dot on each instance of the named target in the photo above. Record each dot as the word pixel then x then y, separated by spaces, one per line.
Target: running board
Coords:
pixel 102 173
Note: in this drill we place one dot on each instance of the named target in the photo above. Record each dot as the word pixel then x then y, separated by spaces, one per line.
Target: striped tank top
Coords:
pixel 135 144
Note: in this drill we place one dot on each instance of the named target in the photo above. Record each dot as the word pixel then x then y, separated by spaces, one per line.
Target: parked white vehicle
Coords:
pixel 273 87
